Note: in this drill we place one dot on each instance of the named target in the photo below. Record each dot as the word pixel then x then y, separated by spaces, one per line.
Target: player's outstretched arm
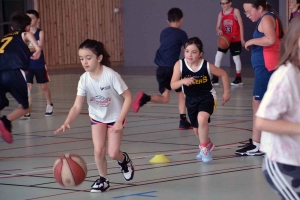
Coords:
pixel 74 112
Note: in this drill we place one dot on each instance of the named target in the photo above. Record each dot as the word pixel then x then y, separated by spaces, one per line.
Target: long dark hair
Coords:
pixel 98 49
pixel 268 7
pixel 289 48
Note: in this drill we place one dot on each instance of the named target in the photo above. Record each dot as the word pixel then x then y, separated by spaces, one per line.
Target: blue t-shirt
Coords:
pixel 171 42
pixel 39 63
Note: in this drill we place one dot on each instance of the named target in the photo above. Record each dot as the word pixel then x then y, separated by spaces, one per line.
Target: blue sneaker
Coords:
pixel 205 154
pixel 211 147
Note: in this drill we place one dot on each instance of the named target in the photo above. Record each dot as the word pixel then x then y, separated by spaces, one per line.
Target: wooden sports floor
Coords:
pixel 26 165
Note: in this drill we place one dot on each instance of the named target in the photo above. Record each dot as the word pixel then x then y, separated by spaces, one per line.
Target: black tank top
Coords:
pixel 14 53
pixel 202 84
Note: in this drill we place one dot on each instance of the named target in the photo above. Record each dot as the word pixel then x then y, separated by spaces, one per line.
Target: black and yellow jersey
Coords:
pixel 14 53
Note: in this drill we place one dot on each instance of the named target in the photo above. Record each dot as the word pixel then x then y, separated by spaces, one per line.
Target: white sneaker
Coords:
pixel 27 116
pixel 127 168
pixel 49 110
pixel 100 186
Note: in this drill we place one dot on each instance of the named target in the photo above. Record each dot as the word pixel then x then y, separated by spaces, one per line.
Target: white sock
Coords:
pixel 256 144
pixel 238 64
pixel 218 58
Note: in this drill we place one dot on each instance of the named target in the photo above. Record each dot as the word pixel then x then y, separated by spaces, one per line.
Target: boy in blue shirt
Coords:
pixel 37 68
pixel 172 39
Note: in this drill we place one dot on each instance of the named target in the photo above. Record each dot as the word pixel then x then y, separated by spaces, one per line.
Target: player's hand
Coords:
pixel 219 32
pixel 226 97
pixel 118 126
pixel 36 55
pixel 62 128
pixel 248 44
pixel 188 81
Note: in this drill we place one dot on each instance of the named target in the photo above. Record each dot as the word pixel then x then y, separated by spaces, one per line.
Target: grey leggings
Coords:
pixel 284 179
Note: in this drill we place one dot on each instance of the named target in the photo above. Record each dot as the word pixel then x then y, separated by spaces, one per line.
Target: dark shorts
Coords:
pixel 41 75
pixel 283 179
pixel 163 77
pixel 109 125
pixel 13 82
pixel 196 104
pixel 235 48
pixel 261 81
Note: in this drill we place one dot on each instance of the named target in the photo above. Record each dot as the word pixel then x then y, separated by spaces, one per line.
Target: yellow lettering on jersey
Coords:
pixel 200 80
pixel 5 41
pixel 12 33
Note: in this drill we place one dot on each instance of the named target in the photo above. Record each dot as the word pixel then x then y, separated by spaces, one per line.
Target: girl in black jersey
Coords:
pixel 193 74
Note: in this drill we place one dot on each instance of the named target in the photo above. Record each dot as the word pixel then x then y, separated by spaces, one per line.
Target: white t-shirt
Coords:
pixel 282 101
pixel 103 94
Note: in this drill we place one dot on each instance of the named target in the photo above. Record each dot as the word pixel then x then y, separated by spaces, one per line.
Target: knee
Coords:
pixel 166 100
pixel 99 152
pixel 113 153
pixel 44 87
pixel 202 120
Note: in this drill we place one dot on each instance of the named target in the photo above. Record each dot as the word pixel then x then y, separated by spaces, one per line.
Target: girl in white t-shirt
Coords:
pixel 109 100
pixel 278 117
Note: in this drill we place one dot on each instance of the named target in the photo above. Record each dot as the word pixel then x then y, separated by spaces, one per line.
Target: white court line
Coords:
pixel 178 152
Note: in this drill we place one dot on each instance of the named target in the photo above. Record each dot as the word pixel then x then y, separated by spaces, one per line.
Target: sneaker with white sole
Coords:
pixel 49 109
pixel 127 168
pixel 210 146
pixel 237 81
pixel 250 149
pixel 27 116
pixel 100 185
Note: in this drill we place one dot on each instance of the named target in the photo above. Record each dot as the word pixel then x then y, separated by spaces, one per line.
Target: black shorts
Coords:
pixel 109 125
pixel 14 82
pixel 41 75
pixel 235 48
pixel 196 104
pixel 163 77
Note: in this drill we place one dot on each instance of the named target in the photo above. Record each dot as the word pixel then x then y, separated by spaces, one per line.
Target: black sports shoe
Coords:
pixel 127 168
pixel 249 149
pixel 100 185
pixel 237 81
pixel 27 116
pixel 215 81
pixel 184 125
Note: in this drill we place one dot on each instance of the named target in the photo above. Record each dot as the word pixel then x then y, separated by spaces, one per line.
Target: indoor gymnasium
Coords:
pixel 150 150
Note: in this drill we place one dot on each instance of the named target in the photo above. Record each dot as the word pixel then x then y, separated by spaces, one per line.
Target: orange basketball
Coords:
pixel 69 170
pixel 223 42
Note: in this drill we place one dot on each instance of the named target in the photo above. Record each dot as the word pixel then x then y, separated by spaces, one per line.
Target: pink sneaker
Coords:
pixel 137 102
pixel 5 132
